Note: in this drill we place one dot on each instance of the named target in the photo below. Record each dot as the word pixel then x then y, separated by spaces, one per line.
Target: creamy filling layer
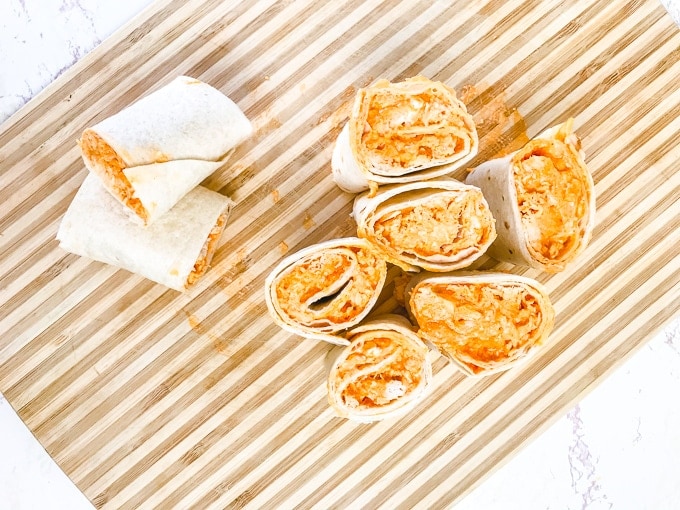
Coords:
pixel 109 167
pixel 477 323
pixel 381 368
pixel 437 229
pixel 207 251
pixel 406 129
pixel 552 196
pixel 329 288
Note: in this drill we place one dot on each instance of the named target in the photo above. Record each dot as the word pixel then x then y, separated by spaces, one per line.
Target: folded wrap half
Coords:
pixel 383 373
pixel 543 199
pixel 175 251
pixel 403 132
pixel 438 225
pixel 484 322
pixel 156 150
pixel 325 288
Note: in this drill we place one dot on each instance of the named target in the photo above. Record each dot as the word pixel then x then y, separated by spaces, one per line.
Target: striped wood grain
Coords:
pixel 148 398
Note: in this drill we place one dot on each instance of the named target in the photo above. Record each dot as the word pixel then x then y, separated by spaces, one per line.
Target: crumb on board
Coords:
pixel 194 322
pixel 468 93
pixel 308 222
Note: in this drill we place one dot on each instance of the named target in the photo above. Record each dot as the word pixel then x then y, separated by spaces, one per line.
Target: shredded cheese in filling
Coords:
pixel 412 129
pixel 552 197
pixel 110 166
pixel 207 251
pixel 443 226
pixel 381 368
pixel 329 287
pixel 482 323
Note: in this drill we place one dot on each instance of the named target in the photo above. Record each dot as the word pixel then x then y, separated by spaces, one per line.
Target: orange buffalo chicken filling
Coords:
pixel 329 288
pixel 380 369
pixel 405 129
pixel 109 167
pixel 207 251
pixel 553 198
pixel 441 227
pixel 478 324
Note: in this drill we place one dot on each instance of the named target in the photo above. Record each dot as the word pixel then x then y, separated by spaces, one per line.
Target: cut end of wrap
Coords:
pixel 204 259
pixel 438 225
pixel 383 373
pixel 326 288
pixel 103 161
pixel 543 199
pixel 482 322
pixel 407 126
pixel 403 132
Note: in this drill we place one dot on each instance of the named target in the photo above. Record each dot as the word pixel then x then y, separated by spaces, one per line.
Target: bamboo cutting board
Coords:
pixel 150 398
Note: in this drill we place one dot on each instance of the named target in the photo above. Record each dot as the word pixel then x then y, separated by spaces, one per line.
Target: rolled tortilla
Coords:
pixel 483 322
pixel 383 373
pixel 325 288
pixel 438 225
pixel 175 251
pixel 403 132
pixel 155 151
pixel 543 199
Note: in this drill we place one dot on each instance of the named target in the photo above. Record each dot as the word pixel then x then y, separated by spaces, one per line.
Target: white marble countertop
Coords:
pixel 619 448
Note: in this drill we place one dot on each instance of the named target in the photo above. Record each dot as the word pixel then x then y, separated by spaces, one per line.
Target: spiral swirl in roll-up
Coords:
pixel 403 132
pixel 437 225
pixel 543 199
pixel 325 288
pixel 383 373
pixel 483 322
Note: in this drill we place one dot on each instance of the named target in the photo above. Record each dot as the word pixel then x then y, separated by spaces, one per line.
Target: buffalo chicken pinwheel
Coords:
pixel 407 131
pixel 484 322
pixel 437 225
pixel 384 371
pixel 325 288
pixel 543 199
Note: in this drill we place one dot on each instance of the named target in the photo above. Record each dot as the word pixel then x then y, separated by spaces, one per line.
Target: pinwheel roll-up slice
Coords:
pixel 383 373
pixel 175 251
pixel 152 153
pixel 482 322
pixel 403 132
pixel 325 288
pixel 437 225
pixel 543 199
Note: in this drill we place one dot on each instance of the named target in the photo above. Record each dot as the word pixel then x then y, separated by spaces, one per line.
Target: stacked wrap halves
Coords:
pixel 534 207
pixel 141 207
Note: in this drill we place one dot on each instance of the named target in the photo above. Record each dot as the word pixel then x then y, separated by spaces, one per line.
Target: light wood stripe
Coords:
pixel 152 399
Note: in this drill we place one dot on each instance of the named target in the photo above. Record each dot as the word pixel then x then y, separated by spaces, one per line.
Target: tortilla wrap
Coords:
pixel 383 373
pixel 155 151
pixel 403 132
pixel 438 225
pixel 543 199
pixel 483 322
pixel 175 251
pixel 325 288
